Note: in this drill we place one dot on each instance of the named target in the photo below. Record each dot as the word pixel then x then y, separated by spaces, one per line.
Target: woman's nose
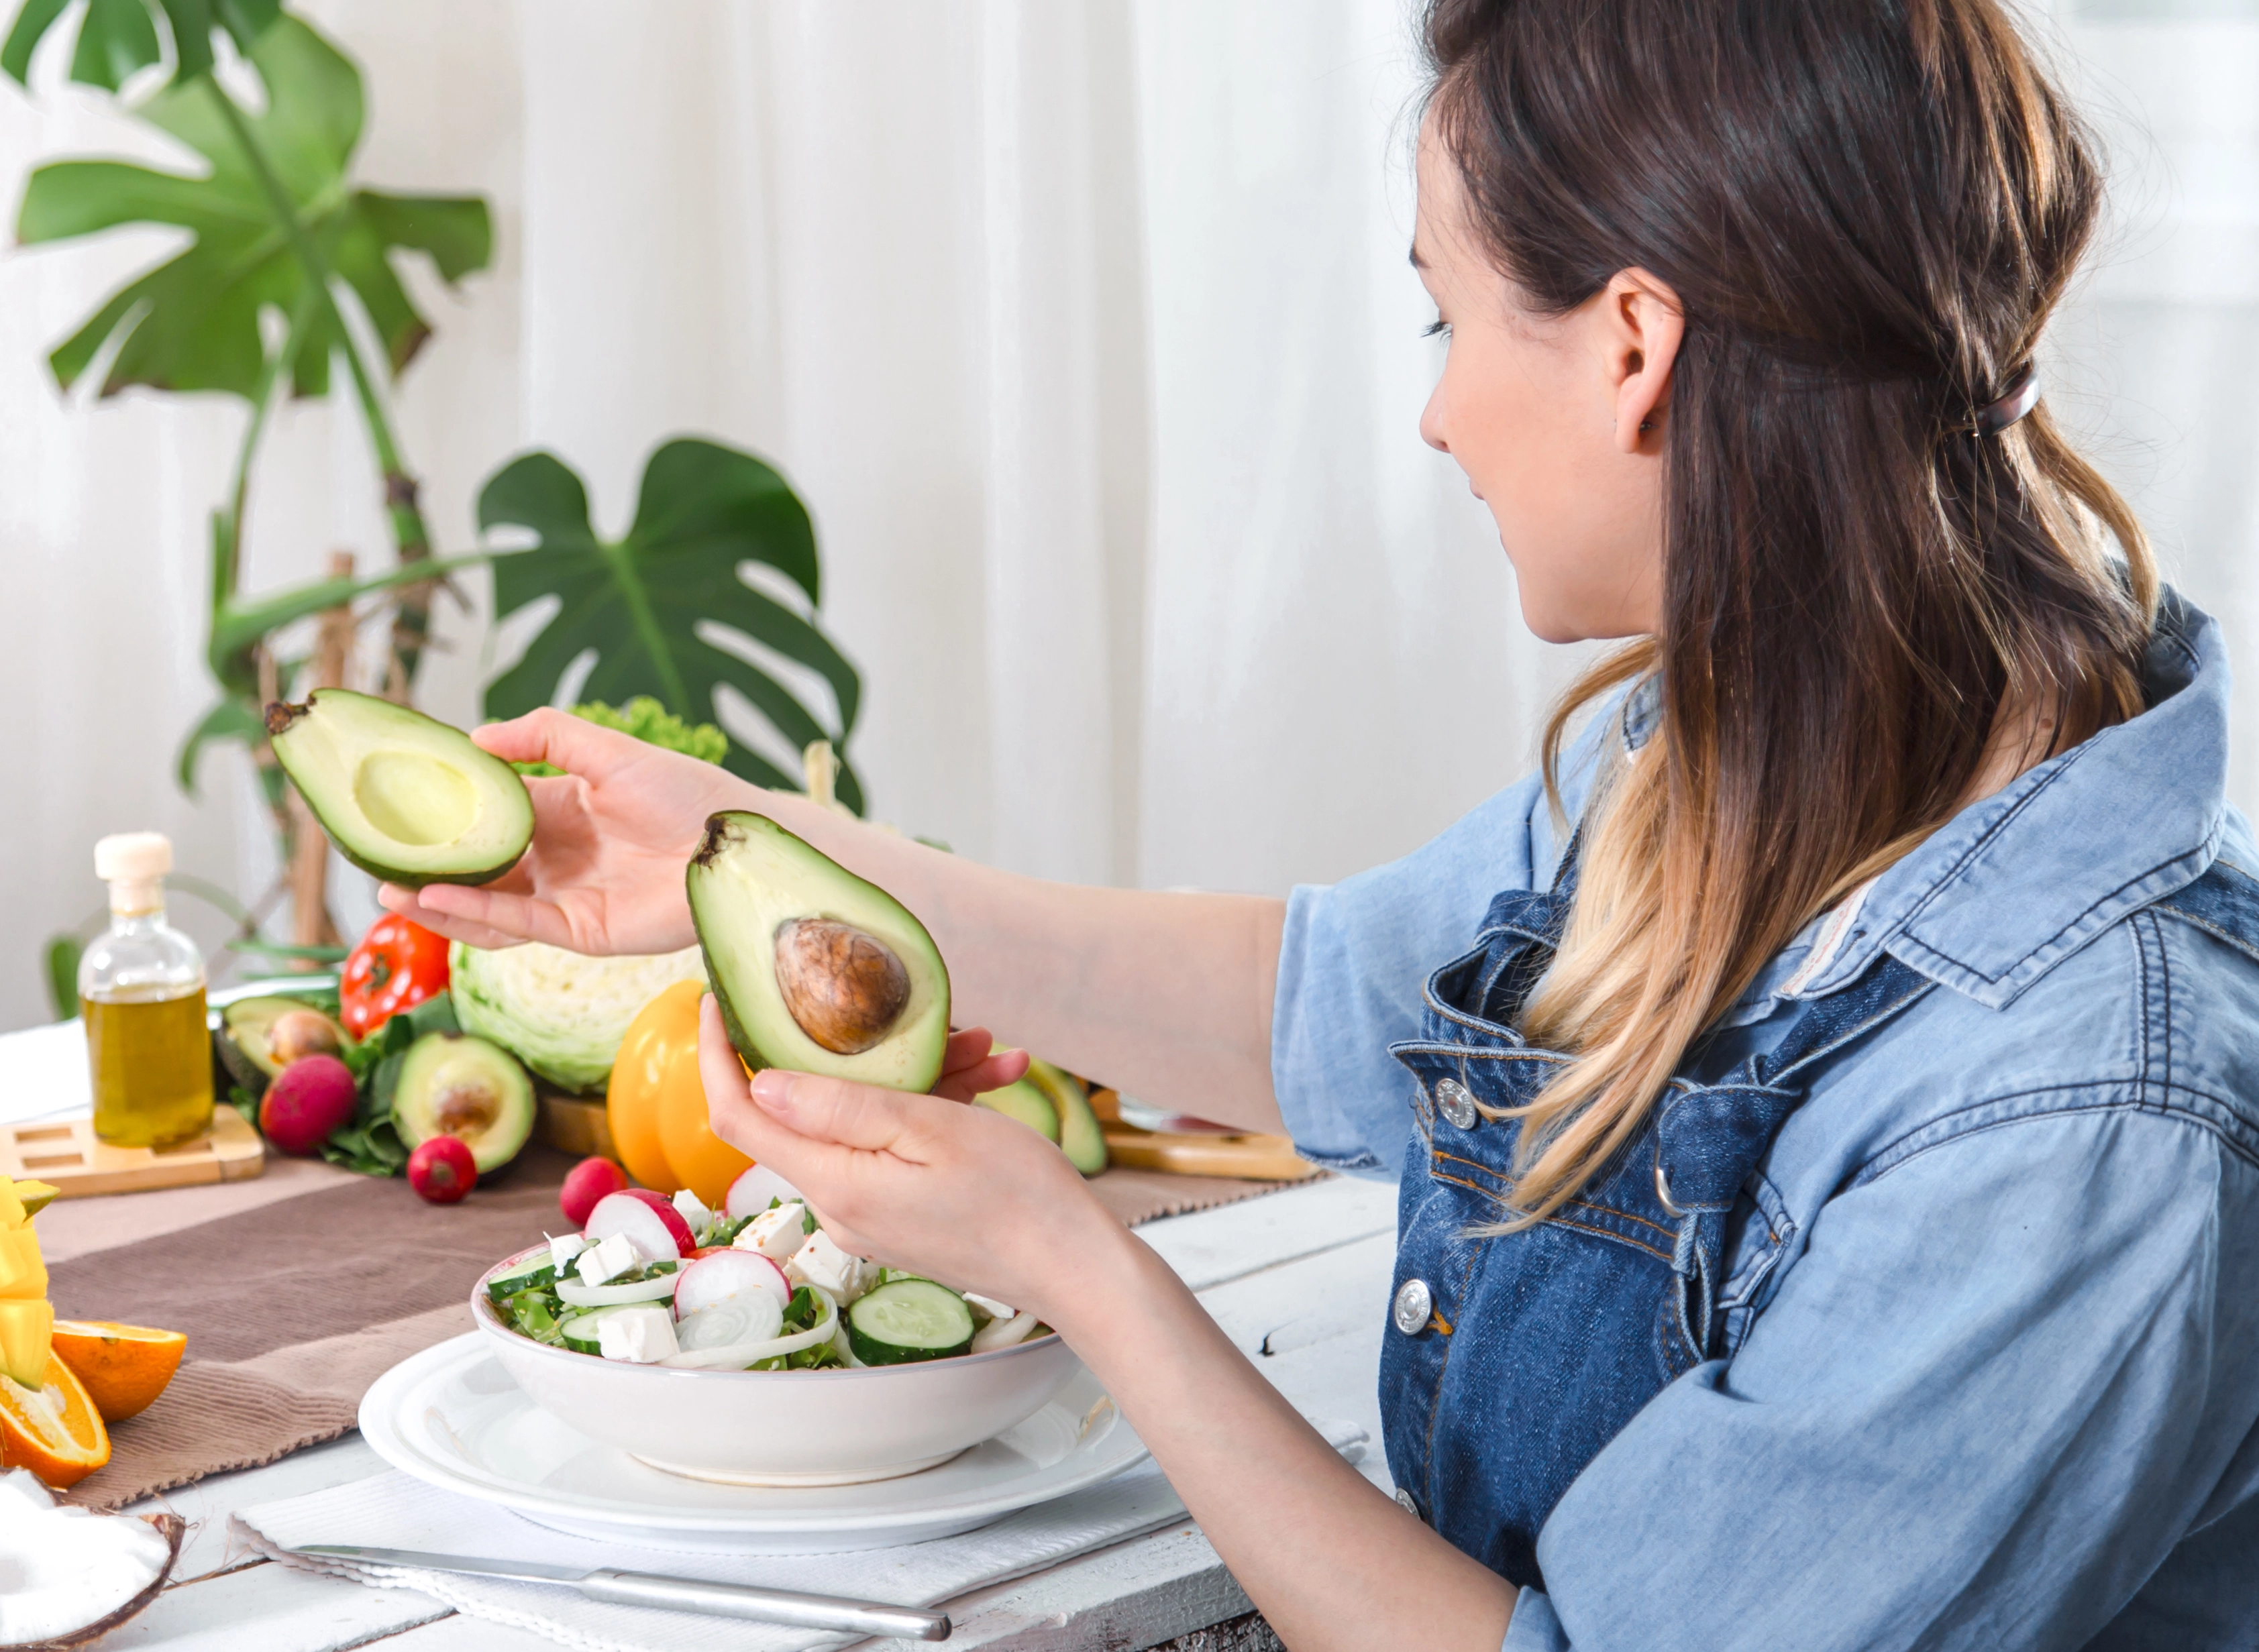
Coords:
pixel 1431 422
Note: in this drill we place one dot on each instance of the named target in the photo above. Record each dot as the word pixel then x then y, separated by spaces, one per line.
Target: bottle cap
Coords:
pixel 134 865
pixel 134 856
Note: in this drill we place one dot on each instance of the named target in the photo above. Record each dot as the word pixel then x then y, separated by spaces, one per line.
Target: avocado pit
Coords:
pixel 300 1033
pixel 843 986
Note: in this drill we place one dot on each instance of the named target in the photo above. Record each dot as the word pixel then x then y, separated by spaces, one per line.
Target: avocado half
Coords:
pixel 815 970
pixel 1079 1136
pixel 258 1037
pixel 452 1084
pixel 405 798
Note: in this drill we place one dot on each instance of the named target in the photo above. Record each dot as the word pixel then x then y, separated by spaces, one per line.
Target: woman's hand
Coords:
pixel 923 1181
pixel 611 838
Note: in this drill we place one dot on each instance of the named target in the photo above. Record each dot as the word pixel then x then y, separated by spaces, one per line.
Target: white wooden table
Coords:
pixel 1299 1279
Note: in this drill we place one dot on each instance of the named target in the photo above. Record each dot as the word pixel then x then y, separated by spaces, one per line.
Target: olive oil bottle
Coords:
pixel 141 992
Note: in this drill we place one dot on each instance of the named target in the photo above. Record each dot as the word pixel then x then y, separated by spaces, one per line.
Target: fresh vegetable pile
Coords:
pixel 757 1286
pixel 376 1075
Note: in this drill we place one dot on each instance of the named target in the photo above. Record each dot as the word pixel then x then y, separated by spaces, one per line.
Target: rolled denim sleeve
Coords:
pixel 1355 956
pixel 1971 1418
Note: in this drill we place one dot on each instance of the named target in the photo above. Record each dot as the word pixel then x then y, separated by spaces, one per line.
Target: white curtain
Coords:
pixel 1084 330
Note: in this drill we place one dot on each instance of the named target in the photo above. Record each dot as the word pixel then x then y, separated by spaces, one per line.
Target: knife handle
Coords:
pixel 763 1606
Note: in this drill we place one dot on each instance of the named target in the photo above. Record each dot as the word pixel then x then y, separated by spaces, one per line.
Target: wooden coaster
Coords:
pixel 65 1154
pixel 1256 1158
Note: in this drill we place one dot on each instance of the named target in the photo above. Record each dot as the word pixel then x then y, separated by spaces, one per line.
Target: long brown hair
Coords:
pixel 1868 210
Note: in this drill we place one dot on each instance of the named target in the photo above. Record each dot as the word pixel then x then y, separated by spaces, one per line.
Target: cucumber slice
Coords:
pixel 908 1320
pixel 537 1275
pixel 579 1333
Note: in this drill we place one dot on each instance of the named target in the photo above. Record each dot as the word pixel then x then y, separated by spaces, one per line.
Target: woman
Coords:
pixel 1830 1154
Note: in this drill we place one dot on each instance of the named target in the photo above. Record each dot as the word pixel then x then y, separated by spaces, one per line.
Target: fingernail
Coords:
pixel 772 1088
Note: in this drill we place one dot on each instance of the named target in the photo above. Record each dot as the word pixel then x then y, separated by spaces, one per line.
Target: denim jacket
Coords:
pixel 1989 1370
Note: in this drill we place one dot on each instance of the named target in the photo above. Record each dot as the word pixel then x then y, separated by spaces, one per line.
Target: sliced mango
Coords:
pixel 12 1213
pixel 36 1196
pixel 26 1329
pixel 22 1273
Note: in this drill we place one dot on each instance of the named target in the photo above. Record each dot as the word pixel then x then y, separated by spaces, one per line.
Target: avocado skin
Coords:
pixel 498 1144
pixel 423 880
pixel 730 826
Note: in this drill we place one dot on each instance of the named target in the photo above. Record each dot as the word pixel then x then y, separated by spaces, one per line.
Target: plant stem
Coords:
pixel 412 538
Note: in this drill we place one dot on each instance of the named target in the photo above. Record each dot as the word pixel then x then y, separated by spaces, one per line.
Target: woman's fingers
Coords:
pixel 503 913
pixel 404 901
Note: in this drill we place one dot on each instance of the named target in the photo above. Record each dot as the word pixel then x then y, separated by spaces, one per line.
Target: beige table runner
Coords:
pixel 299 1289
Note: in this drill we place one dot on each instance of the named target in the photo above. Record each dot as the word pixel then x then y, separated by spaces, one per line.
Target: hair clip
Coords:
pixel 2023 394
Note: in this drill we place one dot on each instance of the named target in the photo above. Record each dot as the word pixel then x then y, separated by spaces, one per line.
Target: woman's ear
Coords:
pixel 1642 326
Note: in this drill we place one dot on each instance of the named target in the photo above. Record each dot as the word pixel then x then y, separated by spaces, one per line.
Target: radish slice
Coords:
pixel 624 1213
pixel 726 1274
pixel 1003 1333
pixel 754 1317
pixel 576 1294
pixel 738 1355
pixel 749 1195
pixel 677 1223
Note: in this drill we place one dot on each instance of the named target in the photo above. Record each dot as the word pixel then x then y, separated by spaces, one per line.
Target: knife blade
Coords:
pixel 673 1594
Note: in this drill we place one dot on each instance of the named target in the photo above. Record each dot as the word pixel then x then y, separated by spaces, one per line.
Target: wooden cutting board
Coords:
pixel 65 1154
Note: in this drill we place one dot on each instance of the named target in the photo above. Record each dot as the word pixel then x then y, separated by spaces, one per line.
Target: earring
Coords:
pixel 1645 425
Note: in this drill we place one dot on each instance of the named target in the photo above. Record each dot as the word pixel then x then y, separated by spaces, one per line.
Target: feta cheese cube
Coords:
pixel 607 1259
pixel 989 1306
pixel 822 1264
pixel 563 1248
pixel 693 1210
pixel 777 1234
pixel 639 1335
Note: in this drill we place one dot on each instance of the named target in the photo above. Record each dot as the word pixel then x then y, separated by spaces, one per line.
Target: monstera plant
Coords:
pixel 290 271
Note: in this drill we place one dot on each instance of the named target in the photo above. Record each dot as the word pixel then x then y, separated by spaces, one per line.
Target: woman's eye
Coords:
pixel 1438 325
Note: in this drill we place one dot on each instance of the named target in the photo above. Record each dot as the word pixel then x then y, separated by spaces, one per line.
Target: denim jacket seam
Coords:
pixel 1910 1146
pixel 1901 935
pixel 2224 936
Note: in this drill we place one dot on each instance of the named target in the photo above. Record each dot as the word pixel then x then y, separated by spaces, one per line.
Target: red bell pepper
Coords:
pixel 397 966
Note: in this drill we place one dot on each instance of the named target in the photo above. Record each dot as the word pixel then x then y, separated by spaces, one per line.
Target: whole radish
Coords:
pixel 442 1170
pixel 585 1183
pixel 309 1099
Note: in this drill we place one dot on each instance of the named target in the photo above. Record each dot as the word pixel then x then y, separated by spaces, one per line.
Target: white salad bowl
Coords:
pixel 761 1427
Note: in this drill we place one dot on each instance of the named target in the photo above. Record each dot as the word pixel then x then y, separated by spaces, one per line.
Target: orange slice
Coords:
pixel 55 1431
pixel 124 1367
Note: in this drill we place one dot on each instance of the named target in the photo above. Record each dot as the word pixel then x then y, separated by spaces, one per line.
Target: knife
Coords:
pixel 674 1594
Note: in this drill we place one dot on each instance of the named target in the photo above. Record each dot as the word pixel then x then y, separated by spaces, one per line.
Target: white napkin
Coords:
pixel 393 1511
pixel 43 1074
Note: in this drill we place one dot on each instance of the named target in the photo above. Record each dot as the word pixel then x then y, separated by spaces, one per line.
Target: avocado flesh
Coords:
pixel 406 799
pixel 1023 1101
pixel 247 1039
pixel 815 970
pixel 452 1084
pixel 1079 1135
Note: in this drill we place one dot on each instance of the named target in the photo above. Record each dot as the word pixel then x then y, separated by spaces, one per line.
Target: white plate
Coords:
pixel 453 1417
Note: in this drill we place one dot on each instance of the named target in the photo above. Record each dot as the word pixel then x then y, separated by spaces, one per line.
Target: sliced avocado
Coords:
pixel 404 798
pixel 815 970
pixel 258 1037
pixel 451 1083
pixel 1079 1134
pixel 1023 1101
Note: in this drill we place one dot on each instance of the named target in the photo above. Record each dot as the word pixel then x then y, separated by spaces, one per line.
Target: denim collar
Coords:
pixel 2013 885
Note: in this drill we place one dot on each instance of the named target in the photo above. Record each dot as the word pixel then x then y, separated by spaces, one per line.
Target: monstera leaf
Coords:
pixel 192 323
pixel 117 38
pixel 664 609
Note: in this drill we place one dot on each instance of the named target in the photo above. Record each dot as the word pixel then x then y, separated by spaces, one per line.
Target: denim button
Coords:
pixel 1413 1303
pixel 1451 1097
pixel 1404 1501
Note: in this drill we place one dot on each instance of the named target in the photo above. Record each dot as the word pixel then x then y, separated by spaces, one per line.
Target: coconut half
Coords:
pixel 69 1576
